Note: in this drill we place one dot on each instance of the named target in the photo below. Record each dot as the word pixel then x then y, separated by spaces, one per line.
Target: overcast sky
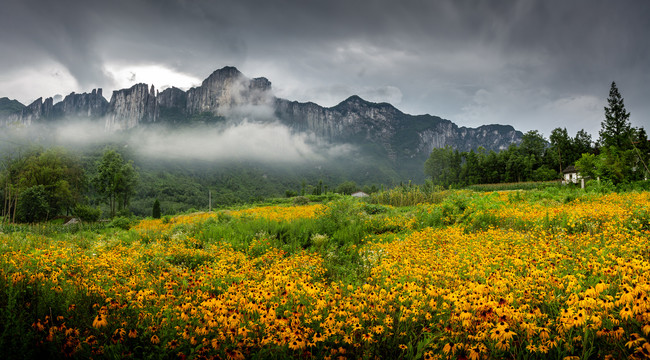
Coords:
pixel 533 64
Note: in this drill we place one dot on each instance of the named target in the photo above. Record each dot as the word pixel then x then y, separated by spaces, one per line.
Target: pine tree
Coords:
pixel 155 212
pixel 616 129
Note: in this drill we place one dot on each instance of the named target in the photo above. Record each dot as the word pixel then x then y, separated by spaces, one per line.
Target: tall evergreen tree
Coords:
pixel 616 129
pixel 155 212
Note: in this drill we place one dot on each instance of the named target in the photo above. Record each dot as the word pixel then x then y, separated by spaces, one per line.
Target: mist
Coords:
pixel 235 139
pixel 243 141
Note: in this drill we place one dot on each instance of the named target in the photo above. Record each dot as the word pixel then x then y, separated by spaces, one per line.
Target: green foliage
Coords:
pixel 87 213
pixel 409 195
pixel 58 176
pixel 115 180
pixel 443 166
pixel 616 129
pixel 300 200
pixel 347 188
pixel 33 205
pixel 121 222
pixel 155 211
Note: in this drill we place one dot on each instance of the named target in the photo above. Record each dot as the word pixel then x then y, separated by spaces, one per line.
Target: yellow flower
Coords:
pixel 367 337
pixel 449 348
pixel 155 339
pixel 100 321
pixel 503 345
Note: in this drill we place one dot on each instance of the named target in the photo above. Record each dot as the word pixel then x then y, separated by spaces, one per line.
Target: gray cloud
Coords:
pixel 533 64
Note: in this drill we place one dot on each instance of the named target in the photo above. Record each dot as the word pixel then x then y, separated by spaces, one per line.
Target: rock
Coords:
pixel 72 221
pixel 171 104
pixel 227 88
pixel 130 107
pixel 87 105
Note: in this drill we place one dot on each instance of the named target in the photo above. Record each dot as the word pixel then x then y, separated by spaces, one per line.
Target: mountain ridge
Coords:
pixel 226 92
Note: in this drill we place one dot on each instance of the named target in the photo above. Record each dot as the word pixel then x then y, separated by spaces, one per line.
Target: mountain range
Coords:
pixel 377 128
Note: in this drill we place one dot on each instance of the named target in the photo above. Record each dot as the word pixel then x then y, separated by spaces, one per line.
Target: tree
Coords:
pixel 582 144
pixel 642 151
pixel 115 180
pixel 347 188
pixel 51 175
pixel 561 149
pixel 155 212
pixel 589 166
pixel 33 205
pixel 616 130
pixel 443 166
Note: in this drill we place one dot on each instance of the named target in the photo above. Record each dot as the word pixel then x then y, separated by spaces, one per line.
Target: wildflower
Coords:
pixel 294 345
pixel 403 347
pixel 449 348
pixel 100 321
pixel 503 345
pixel 635 340
pixel 626 313
pixel 38 326
pixel 155 339
pixel 133 333
pixel 367 337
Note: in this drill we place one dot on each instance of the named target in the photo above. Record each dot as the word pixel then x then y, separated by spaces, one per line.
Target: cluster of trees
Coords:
pixel 621 154
pixel 624 151
pixel 534 159
pixel 42 184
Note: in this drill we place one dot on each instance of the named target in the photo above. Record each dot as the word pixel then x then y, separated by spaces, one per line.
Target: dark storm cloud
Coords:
pixel 532 63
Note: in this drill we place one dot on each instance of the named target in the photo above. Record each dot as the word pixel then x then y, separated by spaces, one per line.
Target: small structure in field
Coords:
pixel 360 194
pixel 572 175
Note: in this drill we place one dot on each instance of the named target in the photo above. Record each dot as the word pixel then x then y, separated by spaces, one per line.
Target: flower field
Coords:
pixel 524 275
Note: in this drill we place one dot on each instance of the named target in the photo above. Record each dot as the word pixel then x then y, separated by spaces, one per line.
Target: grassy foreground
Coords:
pixel 525 275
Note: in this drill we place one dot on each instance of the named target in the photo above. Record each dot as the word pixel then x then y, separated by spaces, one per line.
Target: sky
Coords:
pixel 532 64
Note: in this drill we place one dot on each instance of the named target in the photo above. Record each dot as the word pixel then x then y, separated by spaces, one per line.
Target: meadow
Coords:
pixel 534 274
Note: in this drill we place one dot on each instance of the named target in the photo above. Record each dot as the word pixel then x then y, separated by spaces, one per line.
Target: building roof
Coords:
pixel 359 194
pixel 570 169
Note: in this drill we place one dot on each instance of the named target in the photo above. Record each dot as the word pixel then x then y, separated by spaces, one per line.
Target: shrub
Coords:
pixel 87 213
pixel 121 222
pixel 300 200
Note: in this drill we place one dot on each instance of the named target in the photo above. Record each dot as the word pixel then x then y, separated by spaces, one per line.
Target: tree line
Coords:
pixel 41 184
pixel 620 154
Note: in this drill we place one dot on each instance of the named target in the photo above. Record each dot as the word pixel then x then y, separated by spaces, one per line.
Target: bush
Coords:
pixel 300 200
pixel 87 213
pixel 121 222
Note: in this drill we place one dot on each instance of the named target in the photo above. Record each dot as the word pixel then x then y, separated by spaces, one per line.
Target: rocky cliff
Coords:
pixel 379 128
pixel 224 89
pixel 400 135
pixel 87 105
pixel 130 107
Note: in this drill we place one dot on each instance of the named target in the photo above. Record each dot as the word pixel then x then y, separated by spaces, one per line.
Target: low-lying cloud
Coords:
pixel 244 141
pixel 266 141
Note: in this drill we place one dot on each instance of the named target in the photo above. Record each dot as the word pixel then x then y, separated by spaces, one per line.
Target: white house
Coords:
pixel 571 175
